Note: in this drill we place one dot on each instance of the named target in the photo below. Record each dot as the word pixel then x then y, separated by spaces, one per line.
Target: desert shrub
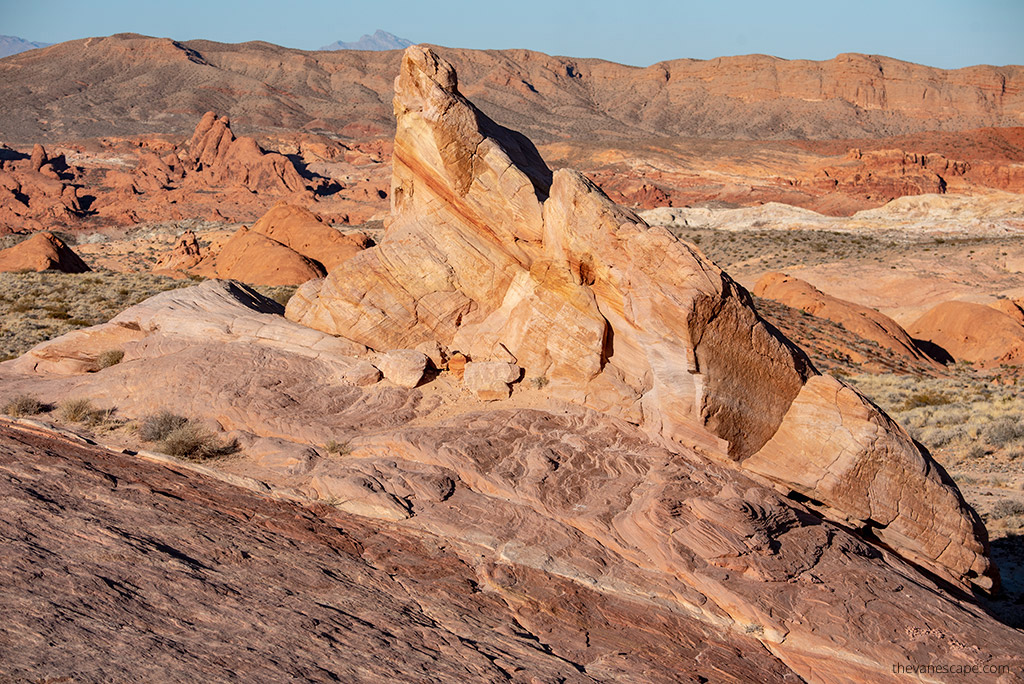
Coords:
pixel 24 405
pixel 338 448
pixel 976 451
pixel 540 382
pixel 76 410
pixel 1007 508
pixel 193 442
pixel 926 398
pixel 157 426
pixel 109 358
pixel 1003 431
pixel 183 438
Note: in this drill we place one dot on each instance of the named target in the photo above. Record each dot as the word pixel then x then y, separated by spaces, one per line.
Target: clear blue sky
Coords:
pixel 943 33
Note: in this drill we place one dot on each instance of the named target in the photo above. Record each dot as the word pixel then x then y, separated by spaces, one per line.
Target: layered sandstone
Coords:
pixel 539 503
pixel 493 256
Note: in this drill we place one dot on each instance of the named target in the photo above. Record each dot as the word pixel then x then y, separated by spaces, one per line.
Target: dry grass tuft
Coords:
pixel 76 410
pixel 24 405
pixel 183 437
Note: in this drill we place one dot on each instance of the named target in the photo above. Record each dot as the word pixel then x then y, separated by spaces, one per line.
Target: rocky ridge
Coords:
pixel 268 87
pixel 861 320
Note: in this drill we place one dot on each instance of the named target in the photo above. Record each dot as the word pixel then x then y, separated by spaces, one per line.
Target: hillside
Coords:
pixel 128 84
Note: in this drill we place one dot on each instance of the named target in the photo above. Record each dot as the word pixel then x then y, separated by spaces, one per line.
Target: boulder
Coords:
pixel 304 232
pixel 457 365
pixel 437 354
pixel 404 367
pixel 490 380
pixel 256 259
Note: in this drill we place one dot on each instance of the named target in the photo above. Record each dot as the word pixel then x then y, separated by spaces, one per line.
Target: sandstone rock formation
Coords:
pixel 214 151
pixel 304 232
pixel 36 191
pixel 683 472
pixel 42 252
pixel 184 255
pixel 253 258
pixel 1014 308
pixel 972 332
pixel 493 256
pixel 288 245
pixel 209 314
pixel 139 543
pixel 864 321
pixel 536 501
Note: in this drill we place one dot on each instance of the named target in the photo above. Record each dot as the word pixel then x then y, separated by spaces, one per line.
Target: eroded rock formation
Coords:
pixel 971 332
pixel 492 255
pixel 675 455
pixel 530 498
pixel 864 321
pixel 289 245
pixel 42 252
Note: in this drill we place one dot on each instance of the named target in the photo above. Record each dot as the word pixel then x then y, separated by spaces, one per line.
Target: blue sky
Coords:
pixel 943 33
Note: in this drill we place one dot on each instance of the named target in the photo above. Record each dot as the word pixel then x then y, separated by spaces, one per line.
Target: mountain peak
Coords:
pixel 12 45
pixel 380 40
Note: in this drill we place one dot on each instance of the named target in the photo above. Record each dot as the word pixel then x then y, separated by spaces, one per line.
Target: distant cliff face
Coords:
pixel 263 86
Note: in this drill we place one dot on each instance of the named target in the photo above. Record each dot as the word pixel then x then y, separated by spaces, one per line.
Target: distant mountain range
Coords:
pixel 129 84
pixel 12 45
pixel 380 40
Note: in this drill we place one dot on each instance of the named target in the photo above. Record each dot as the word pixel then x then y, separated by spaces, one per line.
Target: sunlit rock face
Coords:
pixel 491 254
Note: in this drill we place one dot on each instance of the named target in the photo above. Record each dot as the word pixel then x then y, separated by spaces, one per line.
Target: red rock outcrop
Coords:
pixel 254 258
pixel 214 153
pixel 861 320
pixel 972 332
pixel 37 191
pixel 288 245
pixel 42 252
pixel 1014 308
pixel 184 255
pixel 492 256
pixel 306 233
